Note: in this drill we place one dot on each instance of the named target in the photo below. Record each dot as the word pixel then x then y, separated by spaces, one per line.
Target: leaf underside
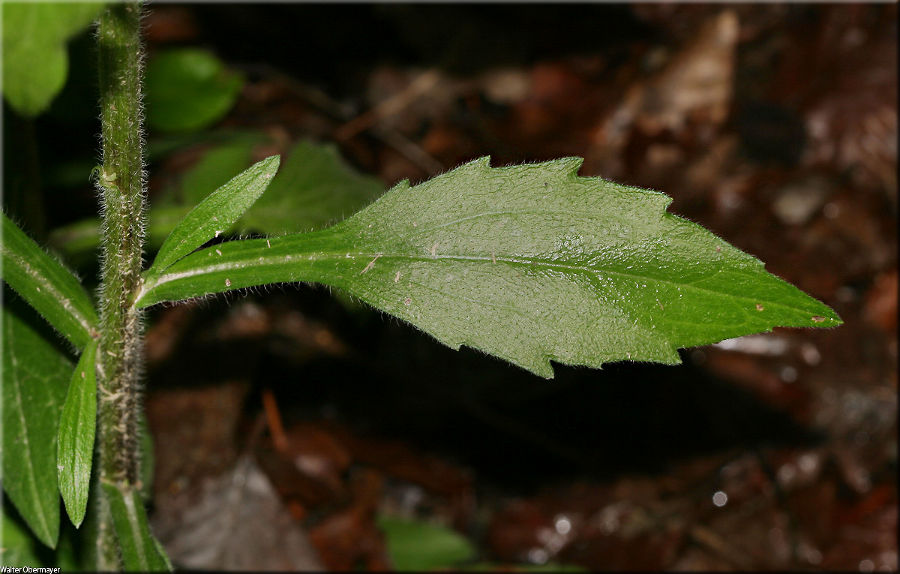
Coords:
pixel 34 377
pixel 530 263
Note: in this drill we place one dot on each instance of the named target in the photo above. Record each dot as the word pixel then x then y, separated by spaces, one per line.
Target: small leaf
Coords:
pixel 35 62
pixel 419 546
pixel 215 168
pixel 77 427
pixel 48 286
pixel 314 188
pixel 529 263
pixel 189 89
pixel 140 550
pixel 215 214
pixel 34 387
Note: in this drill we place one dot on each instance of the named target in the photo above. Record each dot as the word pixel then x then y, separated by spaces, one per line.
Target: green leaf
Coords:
pixel 34 388
pixel 19 546
pixel 35 62
pixel 215 214
pixel 419 546
pixel 529 263
pixel 140 550
pixel 48 286
pixel 215 168
pixel 314 188
pixel 78 240
pixel 77 427
pixel 189 89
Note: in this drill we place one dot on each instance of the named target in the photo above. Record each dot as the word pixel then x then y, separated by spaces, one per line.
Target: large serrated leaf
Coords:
pixel 77 427
pixel 215 214
pixel 141 552
pixel 48 286
pixel 530 263
pixel 35 62
pixel 34 388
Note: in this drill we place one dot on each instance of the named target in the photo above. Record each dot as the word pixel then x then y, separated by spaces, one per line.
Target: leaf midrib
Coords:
pixel 254 261
pixel 32 483
pixel 63 301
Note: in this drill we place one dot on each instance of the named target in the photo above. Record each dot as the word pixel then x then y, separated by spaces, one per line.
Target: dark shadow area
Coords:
pixel 508 425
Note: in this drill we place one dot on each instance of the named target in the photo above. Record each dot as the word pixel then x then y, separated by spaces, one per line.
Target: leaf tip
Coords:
pixel 273 160
pixel 569 165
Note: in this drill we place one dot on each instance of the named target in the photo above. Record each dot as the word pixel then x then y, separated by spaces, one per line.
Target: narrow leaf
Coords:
pixel 34 379
pixel 215 168
pixel 140 550
pixel 77 427
pixel 529 263
pixel 314 187
pixel 48 286
pixel 215 214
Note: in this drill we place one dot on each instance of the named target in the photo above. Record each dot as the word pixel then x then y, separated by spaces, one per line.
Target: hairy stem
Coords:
pixel 121 185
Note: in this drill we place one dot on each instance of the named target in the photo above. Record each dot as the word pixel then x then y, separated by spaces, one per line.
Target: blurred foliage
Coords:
pixel 421 546
pixel 189 89
pixel 35 60
pixel 314 187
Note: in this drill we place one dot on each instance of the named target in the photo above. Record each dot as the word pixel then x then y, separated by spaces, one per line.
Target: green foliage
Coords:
pixel 189 89
pixel 215 168
pixel 314 187
pixel 528 263
pixel 77 428
pixel 140 550
pixel 215 214
pixel 34 375
pixel 35 62
pixel 48 286
pixel 19 547
pixel 419 546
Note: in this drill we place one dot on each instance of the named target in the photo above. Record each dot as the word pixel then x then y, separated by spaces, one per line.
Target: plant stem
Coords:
pixel 121 184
